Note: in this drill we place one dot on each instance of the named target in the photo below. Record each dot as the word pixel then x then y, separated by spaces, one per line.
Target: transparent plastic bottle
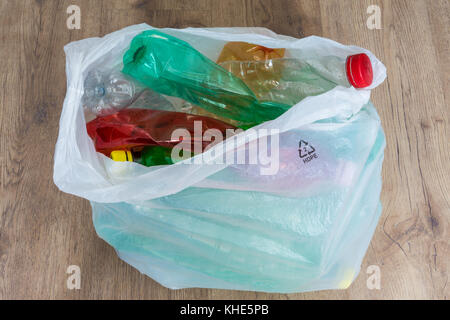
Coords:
pixel 291 80
pixel 106 93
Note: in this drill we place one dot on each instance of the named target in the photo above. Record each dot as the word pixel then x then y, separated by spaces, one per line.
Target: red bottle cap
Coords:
pixel 359 70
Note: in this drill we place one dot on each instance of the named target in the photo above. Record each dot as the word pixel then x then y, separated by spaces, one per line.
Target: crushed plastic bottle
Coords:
pixel 291 80
pixel 106 93
pixel 131 128
pixel 231 51
pixel 235 50
pixel 171 66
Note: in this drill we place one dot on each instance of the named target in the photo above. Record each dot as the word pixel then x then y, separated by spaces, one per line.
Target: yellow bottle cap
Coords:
pixel 121 155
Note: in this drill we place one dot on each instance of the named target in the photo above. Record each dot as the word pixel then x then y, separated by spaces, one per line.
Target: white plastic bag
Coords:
pixel 220 225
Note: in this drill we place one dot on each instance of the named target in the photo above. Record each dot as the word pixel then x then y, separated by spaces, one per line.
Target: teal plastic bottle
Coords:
pixel 172 67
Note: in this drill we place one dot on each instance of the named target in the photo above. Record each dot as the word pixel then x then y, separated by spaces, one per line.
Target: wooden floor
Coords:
pixel 43 231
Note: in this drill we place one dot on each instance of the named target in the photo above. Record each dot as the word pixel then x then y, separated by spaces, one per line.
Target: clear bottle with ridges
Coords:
pixel 108 92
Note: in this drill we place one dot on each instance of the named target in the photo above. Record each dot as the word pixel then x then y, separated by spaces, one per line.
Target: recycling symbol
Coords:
pixel 305 149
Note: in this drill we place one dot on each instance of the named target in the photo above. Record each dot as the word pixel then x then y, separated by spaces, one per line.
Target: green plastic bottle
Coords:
pixel 149 156
pixel 172 67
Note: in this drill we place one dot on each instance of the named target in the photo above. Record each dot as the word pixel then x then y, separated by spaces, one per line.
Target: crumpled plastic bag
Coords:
pixel 230 226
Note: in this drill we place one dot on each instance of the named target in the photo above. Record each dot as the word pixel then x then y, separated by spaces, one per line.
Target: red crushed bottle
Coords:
pixel 134 128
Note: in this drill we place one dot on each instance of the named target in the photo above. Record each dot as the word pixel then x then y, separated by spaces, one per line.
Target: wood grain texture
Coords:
pixel 43 231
